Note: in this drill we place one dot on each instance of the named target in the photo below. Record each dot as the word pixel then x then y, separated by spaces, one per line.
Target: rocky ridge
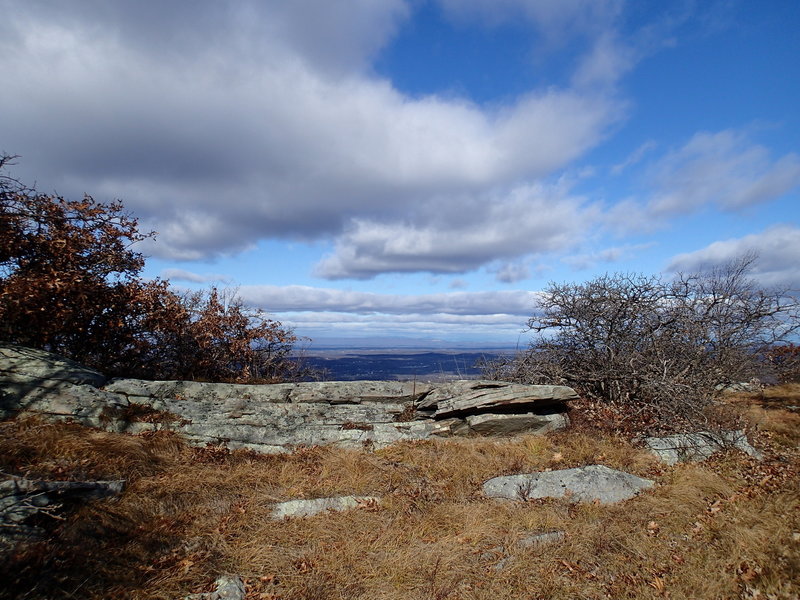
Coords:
pixel 274 418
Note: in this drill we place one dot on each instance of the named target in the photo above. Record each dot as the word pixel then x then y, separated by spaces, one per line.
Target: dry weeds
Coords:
pixel 726 528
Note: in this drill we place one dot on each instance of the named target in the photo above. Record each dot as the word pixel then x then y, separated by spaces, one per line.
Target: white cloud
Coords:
pixel 635 157
pixel 183 275
pixel 777 248
pixel 220 125
pixel 724 169
pixel 605 63
pixel 298 298
pixel 607 255
pixel 511 272
pixel 458 236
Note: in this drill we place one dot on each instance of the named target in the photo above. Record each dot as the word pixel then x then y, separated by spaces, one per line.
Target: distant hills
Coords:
pixel 361 364
pixel 393 344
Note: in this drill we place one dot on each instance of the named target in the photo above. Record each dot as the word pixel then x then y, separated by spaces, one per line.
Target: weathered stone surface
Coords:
pixel 460 398
pixel 275 435
pixel 82 404
pixel 273 418
pixel 26 373
pixel 535 539
pixel 227 587
pixel 491 424
pixel 29 365
pixel 750 387
pixel 686 447
pixel 582 484
pixel 322 392
pixel 309 508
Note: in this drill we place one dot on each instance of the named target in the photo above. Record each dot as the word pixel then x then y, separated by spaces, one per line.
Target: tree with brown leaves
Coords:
pixel 69 283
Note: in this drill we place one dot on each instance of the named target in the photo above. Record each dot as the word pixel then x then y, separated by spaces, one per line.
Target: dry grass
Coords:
pixel 727 528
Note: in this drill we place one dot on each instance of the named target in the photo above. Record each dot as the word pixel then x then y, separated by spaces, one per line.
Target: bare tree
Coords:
pixel 645 340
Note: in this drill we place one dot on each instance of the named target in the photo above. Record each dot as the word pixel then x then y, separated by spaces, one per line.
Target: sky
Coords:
pixel 416 168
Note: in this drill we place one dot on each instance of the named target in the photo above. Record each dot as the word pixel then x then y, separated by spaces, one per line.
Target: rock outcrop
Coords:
pixel 693 447
pixel 309 508
pixel 582 484
pixel 274 418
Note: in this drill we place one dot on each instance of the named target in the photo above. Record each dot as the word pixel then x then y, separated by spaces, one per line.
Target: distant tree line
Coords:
pixel 668 344
pixel 70 283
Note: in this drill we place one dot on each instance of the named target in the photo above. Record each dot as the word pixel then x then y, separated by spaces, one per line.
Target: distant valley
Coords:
pixel 361 364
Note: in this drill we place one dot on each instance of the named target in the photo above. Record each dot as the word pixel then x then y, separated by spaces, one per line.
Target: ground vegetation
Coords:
pixel 728 527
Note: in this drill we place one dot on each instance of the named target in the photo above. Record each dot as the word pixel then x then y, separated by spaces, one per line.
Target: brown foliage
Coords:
pixel 69 283
pixel 785 362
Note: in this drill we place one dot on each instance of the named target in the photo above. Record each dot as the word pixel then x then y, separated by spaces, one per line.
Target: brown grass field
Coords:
pixel 726 528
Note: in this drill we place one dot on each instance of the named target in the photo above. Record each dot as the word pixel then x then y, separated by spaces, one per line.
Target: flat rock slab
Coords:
pixel 314 392
pixel 582 484
pixel 274 418
pixel 478 396
pixel 692 447
pixel 492 424
pixel 309 508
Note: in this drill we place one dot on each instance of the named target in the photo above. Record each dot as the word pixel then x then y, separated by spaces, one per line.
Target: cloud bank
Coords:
pixel 224 124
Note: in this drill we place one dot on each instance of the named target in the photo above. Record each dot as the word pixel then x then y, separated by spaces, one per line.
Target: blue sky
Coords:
pixel 417 168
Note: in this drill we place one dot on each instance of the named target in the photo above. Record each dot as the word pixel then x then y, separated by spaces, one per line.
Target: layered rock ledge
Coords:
pixel 274 418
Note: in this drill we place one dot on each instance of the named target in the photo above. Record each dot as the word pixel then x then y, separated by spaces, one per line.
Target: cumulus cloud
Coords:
pixel 511 272
pixel 458 235
pixel 777 249
pixel 298 298
pixel 223 124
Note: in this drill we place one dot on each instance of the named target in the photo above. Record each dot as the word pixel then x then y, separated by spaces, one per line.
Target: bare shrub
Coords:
pixel 645 341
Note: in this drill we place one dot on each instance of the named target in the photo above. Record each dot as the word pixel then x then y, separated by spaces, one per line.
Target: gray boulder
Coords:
pixel 317 392
pixel 692 447
pixel 460 398
pixel 26 365
pixel 582 484
pixel 227 587
pixel 26 373
pixel 309 508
